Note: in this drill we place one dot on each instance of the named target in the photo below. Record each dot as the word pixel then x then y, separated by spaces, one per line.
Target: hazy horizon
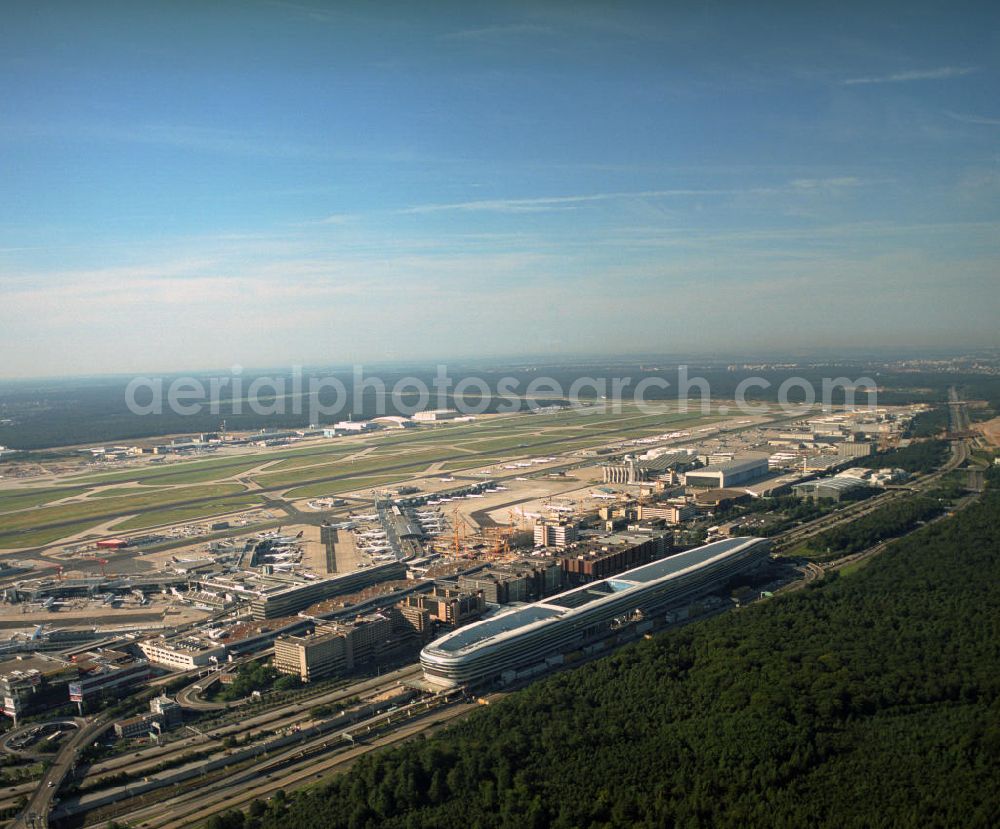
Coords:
pixel 272 183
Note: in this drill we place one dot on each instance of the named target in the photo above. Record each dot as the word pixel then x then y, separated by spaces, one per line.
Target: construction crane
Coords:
pixel 498 540
pixel 519 520
pixel 458 534
pixel 494 538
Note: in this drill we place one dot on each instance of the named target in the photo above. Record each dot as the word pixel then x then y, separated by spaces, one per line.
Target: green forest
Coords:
pixel 886 522
pixel 924 456
pixel 930 423
pixel 866 700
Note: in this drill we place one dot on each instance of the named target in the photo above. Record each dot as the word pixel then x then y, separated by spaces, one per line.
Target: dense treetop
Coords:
pixel 872 699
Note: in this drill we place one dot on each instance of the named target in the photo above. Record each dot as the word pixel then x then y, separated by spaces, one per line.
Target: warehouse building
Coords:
pixel 831 489
pixel 434 415
pixel 732 473
pixel 855 449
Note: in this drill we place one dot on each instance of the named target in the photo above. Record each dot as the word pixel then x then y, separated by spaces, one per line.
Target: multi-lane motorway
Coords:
pixel 175 804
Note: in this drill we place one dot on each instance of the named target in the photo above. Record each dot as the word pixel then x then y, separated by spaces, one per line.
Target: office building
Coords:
pixel 554 533
pixel 34 682
pixel 167 710
pixel 591 560
pixel 182 653
pixel 519 642
pixel 671 513
pixel 106 673
pixel 132 727
pixel 332 649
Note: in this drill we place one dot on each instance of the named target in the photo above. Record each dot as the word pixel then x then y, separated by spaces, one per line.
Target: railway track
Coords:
pixel 296 766
pixel 281 717
pixel 299 766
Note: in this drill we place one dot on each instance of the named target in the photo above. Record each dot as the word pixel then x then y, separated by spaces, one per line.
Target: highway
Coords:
pixel 177 812
pixel 283 718
pixel 41 800
pixel 287 745
pixel 959 455
pixel 43 795
pixel 301 764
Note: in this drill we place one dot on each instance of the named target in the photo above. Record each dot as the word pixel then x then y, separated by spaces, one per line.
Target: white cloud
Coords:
pixel 549 203
pixel 534 205
pixel 825 183
pixel 940 73
pixel 498 31
pixel 974 119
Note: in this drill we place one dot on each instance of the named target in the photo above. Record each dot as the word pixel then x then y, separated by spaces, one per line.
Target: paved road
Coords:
pixel 68 722
pixel 39 805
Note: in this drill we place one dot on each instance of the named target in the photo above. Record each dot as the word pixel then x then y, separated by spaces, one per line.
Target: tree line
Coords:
pixel 868 700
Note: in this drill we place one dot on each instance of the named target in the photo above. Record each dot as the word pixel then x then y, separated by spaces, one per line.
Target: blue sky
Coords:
pixel 189 185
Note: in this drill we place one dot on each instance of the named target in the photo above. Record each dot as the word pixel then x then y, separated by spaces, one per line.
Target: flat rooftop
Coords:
pixel 502 623
pixel 571 601
pixel 679 561
pixel 735 465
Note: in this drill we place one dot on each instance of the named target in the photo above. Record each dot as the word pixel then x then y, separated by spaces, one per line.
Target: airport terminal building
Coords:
pixel 511 644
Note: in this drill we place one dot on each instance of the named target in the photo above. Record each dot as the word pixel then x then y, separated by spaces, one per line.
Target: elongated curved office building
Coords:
pixel 510 643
